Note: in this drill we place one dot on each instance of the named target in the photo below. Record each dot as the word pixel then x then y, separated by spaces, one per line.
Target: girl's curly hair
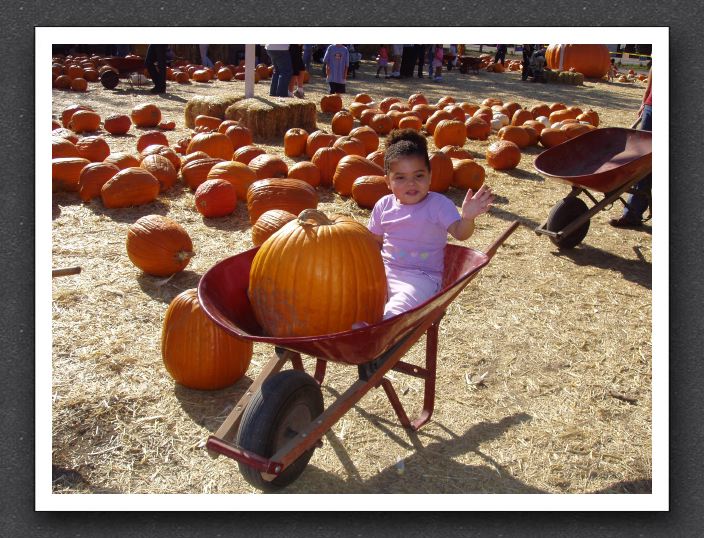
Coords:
pixel 403 143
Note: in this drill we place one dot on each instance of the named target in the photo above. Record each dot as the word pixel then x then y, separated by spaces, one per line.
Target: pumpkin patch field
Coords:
pixel 544 360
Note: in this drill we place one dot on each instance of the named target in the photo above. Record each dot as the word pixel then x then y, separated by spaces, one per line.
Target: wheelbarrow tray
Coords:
pixel 125 66
pixel 222 293
pixel 601 160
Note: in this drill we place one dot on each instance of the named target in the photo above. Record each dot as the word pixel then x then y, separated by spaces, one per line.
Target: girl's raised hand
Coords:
pixel 475 204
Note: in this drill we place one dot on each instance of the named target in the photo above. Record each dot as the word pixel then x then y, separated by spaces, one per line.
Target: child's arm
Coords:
pixel 474 204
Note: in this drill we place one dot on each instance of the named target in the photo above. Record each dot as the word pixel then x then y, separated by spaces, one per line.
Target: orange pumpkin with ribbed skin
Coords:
pixel 162 169
pixel 554 107
pixel 268 224
pixel 215 198
pixel 434 119
pixel 239 135
pixel 444 101
pixel 211 122
pixel 417 99
pixel 84 121
pixel 456 112
pixel 533 134
pixel 410 122
pixel 345 257
pixel 512 107
pixel 401 107
pixel 362 98
pixel 216 145
pixel 386 103
pixel 477 129
pixel 491 101
pixel 238 174
pixel 292 195
pixel 305 171
pixel 79 84
pixel 377 157
pixel 534 124
pixel 342 123
pixel 503 155
pixel 540 110
pixel 196 352
pixel 66 172
pixel 424 111
pixel 330 104
pixel 381 123
pixel 247 153
pixel 484 113
pixel 366 116
pixel 350 168
pixel 159 246
pixel 326 159
pixel 457 152
pixel 93 148
pixel 224 74
pixel 150 138
pixel 202 75
pixel 350 145
pixel 440 172
pixel 146 115
pixel 576 129
pixel 368 190
pixel 517 135
pixel 592 60
pixel 317 140
pixel 193 157
pixel 552 137
pixel 60 147
pixel 130 187
pixel 182 77
pixel 449 133
pixel 268 166
pixel 74 71
pixel 122 160
pixel 356 109
pixel 62 82
pixel 295 142
pixel 164 151
pixel 367 136
pixel 467 174
pixel 520 117
pixel 563 114
pixel 196 172
pixel 468 108
pixel 591 116
pixel 225 125
pixel 70 110
pixel 92 178
pixel 117 124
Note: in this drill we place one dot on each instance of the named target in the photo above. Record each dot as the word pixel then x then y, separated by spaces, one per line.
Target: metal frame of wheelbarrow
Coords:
pixel 371 375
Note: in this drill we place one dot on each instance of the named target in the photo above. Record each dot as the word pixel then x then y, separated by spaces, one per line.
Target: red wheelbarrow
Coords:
pixel 123 68
pixel 609 161
pixel 280 420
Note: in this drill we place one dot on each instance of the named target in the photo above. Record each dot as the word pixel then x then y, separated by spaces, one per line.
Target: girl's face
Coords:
pixel 409 179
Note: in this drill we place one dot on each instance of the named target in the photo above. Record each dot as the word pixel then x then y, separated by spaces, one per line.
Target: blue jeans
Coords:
pixel 282 72
pixel 640 199
pixel 307 56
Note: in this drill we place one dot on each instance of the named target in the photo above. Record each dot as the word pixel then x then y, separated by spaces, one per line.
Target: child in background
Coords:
pixel 412 224
pixel 336 61
pixel 382 60
pixel 295 86
pixel 612 70
pixel 438 57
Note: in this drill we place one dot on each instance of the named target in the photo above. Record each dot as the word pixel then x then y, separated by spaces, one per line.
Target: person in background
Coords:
pixel 438 57
pixel 336 61
pixel 396 53
pixel 295 86
pixel 612 70
pixel 452 61
pixel 308 57
pixel 382 60
pixel 500 54
pixel 281 60
pixel 537 64
pixel 420 54
pixel 155 62
pixel 207 62
pixel 527 53
pixel 640 199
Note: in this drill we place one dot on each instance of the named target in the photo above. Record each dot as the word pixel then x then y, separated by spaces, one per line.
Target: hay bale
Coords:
pixel 271 117
pixel 215 106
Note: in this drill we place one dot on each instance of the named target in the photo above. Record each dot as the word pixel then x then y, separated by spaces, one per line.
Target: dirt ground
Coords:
pixel 563 339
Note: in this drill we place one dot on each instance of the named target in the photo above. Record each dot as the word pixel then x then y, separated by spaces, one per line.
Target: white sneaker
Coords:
pixel 299 93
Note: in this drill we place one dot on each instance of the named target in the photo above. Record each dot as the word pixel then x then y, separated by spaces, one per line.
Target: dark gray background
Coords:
pixel 17 516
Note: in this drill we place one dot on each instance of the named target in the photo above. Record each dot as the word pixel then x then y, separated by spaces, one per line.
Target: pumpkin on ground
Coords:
pixel 268 166
pixel 349 168
pixel 592 60
pixel 247 153
pixel 326 255
pixel 130 187
pixel 440 171
pixel 368 190
pixel 292 195
pixel 122 159
pixel 66 172
pixel 215 198
pixel 329 104
pixel 117 124
pixel 381 123
pixel 239 175
pixel 342 123
pixel 268 224
pixel 60 147
pixel 477 128
pixel 467 174
pixel 457 152
pixel 196 171
pixel 164 151
pixel 70 110
pixel 93 148
pixel 295 142
pixel 317 140
pixel 146 115
pixel 92 178
pixel 239 135
pixel 305 171
pixel 503 155
pixel 84 121
pixel 350 145
pixel 515 134
pixel 196 352
pixel 158 245
pixel 550 137
pixel 326 159
pixel 215 144
pixel 150 138
pixel 367 136
pixel 449 133
pixel 377 157
pixel 162 169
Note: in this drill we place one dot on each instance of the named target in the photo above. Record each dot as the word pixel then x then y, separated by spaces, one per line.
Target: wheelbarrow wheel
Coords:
pixel 562 214
pixel 286 403
pixel 109 79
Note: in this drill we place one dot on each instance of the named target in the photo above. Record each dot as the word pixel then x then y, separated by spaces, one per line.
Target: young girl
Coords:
pixel 438 58
pixel 382 60
pixel 412 224
pixel 612 70
pixel 295 85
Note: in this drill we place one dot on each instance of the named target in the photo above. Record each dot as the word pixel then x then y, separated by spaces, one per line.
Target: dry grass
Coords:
pixel 559 336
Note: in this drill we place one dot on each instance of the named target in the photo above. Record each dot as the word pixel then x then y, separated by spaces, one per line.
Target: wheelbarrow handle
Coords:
pixel 500 240
pixel 65 271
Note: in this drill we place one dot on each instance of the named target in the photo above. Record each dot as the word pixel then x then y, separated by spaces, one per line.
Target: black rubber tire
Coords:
pixel 563 213
pixel 289 399
pixel 109 80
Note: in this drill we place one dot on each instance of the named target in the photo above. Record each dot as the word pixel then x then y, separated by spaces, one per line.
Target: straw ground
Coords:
pixel 544 381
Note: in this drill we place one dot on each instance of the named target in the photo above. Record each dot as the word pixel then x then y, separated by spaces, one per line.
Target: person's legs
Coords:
pixel 155 61
pixel 281 74
pixel 407 289
pixel 336 87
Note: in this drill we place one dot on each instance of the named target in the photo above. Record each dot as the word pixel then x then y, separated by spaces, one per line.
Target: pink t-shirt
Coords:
pixel 414 235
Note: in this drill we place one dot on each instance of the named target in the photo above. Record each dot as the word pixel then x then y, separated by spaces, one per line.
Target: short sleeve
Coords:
pixel 326 55
pixel 374 225
pixel 446 212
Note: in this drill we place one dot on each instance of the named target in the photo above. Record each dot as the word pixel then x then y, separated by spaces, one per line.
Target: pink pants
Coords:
pixel 408 288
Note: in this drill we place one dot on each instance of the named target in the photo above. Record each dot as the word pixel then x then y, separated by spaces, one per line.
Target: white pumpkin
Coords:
pixel 544 120
pixel 496 124
pixel 556 125
pixel 503 118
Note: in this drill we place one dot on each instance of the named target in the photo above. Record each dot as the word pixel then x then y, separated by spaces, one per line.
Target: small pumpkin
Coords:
pixel 381 123
pixel 349 168
pixel 449 132
pixel 215 198
pixel 122 159
pixel 79 84
pixel 362 98
pixel 239 175
pixel 515 134
pixel 146 115
pixel 117 124
pixel 305 171
pixel 66 172
pixel 70 110
pixel 84 121
pixel 130 187
pixel 503 155
pixel 159 245
pixel 247 153
pixel 329 104
pixel 417 99
pixel 521 116
pixel 292 195
pixel 60 147
pixel 467 174
pixel 368 190
pixel 92 178
pixel 410 122
pixel 550 137
pixel 162 169
pixel 150 138
pixel 342 123
pixel 356 109
pixel 268 224
pixel 295 142
pixel 216 145
pixel 211 122
pixel 477 128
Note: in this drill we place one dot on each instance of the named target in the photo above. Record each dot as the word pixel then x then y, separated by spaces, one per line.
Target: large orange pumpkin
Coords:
pixel 342 123
pixel 517 135
pixel 317 140
pixel 247 153
pixel 367 136
pixel 146 115
pixel 268 166
pixel 196 171
pixel 592 60
pixel 215 144
pixel 332 103
pixel 117 124
pixel 326 255
pixel 440 172
pixel 368 190
pixel 92 178
pixel 84 121
pixel 60 147
pixel 162 169
pixel 239 175
pixel 268 224
pixel 349 169
pixel 93 148
pixel 305 171
pixel 350 145
pixel 130 187
pixel 449 133
pixel 292 195
pixel 326 159
pixel 158 245
pixel 197 353
pixel 503 155
pixel 66 172
pixel 215 198
pixel 295 142
pixel 467 174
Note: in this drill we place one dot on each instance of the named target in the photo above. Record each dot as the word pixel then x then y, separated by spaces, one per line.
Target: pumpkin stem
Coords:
pixel 185 255
pixel 315 215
